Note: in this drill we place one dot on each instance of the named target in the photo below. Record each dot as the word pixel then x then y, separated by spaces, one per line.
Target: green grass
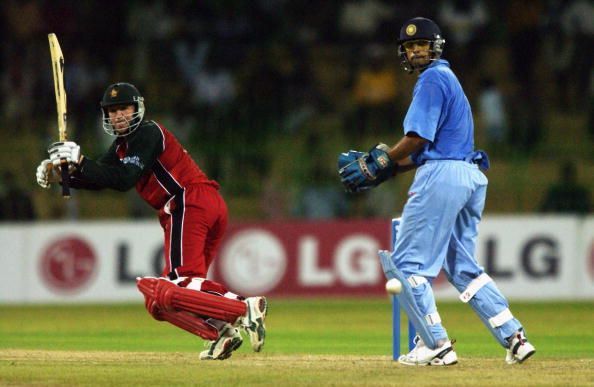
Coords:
pixel 309 342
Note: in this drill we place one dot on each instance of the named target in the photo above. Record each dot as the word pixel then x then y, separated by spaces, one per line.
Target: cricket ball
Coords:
pixel 393 286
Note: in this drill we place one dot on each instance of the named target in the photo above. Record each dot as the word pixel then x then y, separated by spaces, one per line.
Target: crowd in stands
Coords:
pixel 265 93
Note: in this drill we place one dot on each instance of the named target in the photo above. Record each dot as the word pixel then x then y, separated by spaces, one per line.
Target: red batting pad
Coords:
pixel 191 323
pixel 186 321
pixel 152 308
pixel 170 297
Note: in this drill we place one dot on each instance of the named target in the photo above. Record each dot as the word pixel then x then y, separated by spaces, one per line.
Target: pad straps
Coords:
pixel 474 286
pixel 501 318
pixel 414 281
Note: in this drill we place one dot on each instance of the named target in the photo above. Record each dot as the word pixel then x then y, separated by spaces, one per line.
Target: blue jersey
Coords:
pixel 440 112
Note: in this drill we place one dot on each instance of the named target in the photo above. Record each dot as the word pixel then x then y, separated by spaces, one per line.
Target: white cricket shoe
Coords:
pixel 253 322
pixel 421 355
pixel 519 348
pixel 220 349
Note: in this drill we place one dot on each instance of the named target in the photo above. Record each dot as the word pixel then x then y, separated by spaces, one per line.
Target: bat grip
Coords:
pixel 65 179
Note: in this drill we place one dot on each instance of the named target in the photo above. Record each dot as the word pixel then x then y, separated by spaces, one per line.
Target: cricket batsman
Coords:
pixel 191 212
pixel 440 219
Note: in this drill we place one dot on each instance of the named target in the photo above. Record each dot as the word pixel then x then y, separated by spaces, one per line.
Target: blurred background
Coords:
pixel 264 94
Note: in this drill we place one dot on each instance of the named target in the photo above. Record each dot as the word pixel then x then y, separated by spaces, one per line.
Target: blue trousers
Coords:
pixel 439 229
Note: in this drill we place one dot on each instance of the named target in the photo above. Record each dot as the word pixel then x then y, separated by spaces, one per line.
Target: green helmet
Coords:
pixel 122 93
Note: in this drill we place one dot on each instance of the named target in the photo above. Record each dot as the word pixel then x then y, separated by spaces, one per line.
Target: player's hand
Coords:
pixel 68 150
pixel 46 174
pixel 367 171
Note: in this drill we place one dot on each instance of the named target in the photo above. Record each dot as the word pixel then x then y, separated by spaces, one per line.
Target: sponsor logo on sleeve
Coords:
pixel 134 160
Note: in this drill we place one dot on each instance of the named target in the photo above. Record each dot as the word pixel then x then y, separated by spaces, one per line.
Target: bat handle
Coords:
pixel 65 179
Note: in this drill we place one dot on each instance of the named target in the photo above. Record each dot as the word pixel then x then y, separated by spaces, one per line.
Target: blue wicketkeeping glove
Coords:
pixel 366 171
pixel 346 158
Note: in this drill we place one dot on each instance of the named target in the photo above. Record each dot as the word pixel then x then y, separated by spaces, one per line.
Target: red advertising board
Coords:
pixel 326 258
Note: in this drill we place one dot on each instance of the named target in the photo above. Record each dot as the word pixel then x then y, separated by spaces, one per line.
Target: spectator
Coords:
pixel 15 202
pixel 83 80
pixel 320 198
pixel 578 24
pixel 524 26
pixel 375 93
pixel 463 21
pixel 590 121
pixel 360 19
pixel 149 24
pixel 524 39
pixel 567 195
pixel 492 111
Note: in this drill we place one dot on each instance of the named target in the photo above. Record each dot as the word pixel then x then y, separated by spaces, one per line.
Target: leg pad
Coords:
pixel 191 323
pixel 416 293
pixel 488 303
pixel 171 298
pixel 186 321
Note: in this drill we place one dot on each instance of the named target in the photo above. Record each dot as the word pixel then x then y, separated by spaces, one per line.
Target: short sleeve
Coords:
pixel 424 113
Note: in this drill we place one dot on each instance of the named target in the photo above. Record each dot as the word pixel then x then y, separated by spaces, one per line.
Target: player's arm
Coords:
pixel 400 153
pixel 143 149
pixel 78 181
pixel 109 171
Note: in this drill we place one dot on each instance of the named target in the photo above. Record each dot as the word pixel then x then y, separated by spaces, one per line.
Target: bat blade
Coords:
pixel 60 92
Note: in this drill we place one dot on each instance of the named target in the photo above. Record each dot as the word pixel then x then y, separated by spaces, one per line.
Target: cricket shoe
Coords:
pixel 220 349
pixel 519 348
pixel 421 355
pixel 253 322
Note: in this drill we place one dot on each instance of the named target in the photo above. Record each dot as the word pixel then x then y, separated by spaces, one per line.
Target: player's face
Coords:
pixel 417 52
pixel 120 117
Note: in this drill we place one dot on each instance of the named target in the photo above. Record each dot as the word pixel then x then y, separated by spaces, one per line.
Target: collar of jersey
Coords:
pixel 439 62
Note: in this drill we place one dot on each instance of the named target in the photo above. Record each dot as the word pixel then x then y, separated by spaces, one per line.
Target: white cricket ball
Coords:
pixel 393 286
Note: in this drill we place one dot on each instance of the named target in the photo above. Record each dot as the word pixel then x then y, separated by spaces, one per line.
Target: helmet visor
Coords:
pixel 133 121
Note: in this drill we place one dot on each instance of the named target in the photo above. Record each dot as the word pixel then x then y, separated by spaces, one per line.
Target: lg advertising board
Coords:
pixel 529 257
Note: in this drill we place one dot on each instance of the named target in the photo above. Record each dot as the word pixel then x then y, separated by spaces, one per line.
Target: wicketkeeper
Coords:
pixel 191 211
pixel 439 224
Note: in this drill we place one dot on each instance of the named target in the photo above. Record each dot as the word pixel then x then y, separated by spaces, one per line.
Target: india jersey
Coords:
pixel 440 112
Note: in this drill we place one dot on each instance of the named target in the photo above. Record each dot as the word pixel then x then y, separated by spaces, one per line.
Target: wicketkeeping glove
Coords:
pixel 46 174
pixel 368 170
pixel 346 158
pixel 68 150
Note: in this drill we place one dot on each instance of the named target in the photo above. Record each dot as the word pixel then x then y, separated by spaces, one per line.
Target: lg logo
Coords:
pixel 253 262
pixel 539 257
pixel 67 265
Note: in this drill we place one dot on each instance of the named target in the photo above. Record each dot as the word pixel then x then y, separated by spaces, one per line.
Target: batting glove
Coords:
pixel 369 170
pixel 68 150
pixel 46 174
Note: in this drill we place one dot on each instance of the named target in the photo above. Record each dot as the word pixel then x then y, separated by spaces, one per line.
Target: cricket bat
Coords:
pixel 58 71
